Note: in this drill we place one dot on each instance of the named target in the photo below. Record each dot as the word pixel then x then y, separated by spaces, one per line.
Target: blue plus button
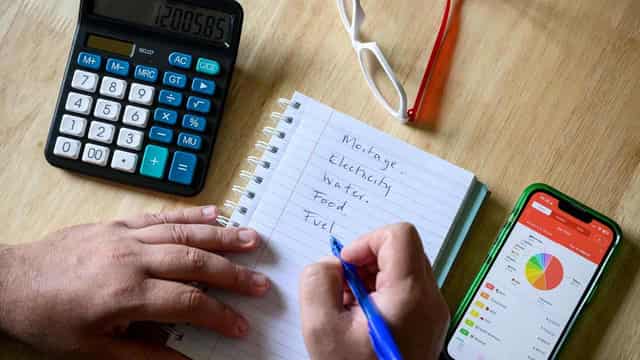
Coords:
pixel 89 61
pixel 165 116
pixel 189 141
pixel 180 60
pixel 182 168
pixel 202 86
pixel 154 161
pixel 146 73
pixel 192 122
pixel 161 134
pixel 198 104
pixel 175 80
pixel 170 98
pixel 118 67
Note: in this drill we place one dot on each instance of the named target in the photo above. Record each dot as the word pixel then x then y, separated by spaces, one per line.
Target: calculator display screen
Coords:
pixel 172 16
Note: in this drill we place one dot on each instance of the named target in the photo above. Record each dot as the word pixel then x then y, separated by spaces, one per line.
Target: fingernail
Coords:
pixel 242 327
pixel 209 211
pixel 248 237
pixel 259 281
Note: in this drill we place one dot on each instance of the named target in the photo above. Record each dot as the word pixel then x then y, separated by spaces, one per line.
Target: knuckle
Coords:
pixel 122 254
pixel 179 234
pixel 193 300
pixel 238 274
pixel 157 218
pixel 196 259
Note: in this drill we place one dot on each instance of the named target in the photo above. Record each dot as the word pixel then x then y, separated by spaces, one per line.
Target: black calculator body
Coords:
pixel 144 91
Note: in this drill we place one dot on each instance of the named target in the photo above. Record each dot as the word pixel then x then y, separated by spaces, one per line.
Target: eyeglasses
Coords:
pixel 352 24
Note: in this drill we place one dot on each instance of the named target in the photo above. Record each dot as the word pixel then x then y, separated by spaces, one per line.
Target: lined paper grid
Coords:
pixel 332 175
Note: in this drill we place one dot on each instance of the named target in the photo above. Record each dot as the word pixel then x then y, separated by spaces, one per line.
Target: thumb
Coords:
pixel 321 292
pixel 126 349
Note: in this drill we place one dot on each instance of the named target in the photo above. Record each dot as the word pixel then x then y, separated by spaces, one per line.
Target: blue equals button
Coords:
pixel 182 168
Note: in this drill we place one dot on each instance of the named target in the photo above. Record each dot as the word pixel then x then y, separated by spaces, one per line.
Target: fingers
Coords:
pixel 321 292
pixel 195 215
pixel 171 302
pixel 124 350
pixel 205 237
pixel 188 264
pixel 397 250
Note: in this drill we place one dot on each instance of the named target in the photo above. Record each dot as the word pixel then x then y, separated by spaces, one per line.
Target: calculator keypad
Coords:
pixel 78 103
pixel 73 125
pixel 85 81
pixel 102 132
pixel 107 110
pixel 113 87
pixel 142 94
pixel 132 115
pixel 96 154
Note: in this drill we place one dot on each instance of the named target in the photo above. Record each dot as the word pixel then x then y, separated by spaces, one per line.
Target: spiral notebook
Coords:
pixel 324 173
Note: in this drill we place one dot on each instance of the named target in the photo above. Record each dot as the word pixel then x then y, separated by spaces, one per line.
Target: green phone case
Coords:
pixel 502 237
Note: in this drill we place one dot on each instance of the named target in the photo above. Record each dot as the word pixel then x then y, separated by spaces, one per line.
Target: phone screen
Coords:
pixel 530 293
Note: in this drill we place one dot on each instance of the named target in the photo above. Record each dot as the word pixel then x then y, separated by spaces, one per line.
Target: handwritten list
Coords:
pixel 330 175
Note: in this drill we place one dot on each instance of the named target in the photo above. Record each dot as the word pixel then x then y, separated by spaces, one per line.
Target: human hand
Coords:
pixel 392 263
pixel 77 292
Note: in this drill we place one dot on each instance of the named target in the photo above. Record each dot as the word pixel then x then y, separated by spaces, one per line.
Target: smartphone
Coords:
pixel 541 272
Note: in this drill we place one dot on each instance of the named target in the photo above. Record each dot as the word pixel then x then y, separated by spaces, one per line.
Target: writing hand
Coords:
pixel 392 263
pixel 78 291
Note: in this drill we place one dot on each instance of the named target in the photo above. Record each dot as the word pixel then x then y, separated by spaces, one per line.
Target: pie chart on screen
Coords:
pixel 544 272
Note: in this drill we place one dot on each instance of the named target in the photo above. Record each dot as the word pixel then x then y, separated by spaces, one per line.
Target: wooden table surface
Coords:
pixel 528 91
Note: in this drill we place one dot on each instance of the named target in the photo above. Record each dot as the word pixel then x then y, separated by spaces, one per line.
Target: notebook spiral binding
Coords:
pixel 249 193
pixel 255 178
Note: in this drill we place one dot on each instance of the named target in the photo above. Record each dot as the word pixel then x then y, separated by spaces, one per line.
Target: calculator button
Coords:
pixel 107 110
pixel 89 61
pixel 73 125
pixel 67 148
pixel 193 122
pixel 102 132
pixel 95 154
pixel 154 161
pixel 170 98
pixel 85 81
pixel 124 161
pixel 202 86
pixel 113 87
pixel 175 80
pixel 189 141
pixel 180 60
pixel 141 94
pixel 168 117
pixel 207 66
pixel 136 116
pixel 161 134
pixel 118 67
pixel 130 139
pixel 182 168
pixel 146 73
pixel 79 103
pixel 198 104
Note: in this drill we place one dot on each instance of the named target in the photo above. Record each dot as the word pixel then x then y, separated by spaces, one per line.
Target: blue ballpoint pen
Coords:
pixel 381 337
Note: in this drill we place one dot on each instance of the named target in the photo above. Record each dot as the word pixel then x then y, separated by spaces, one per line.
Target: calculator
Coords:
pixel 144 91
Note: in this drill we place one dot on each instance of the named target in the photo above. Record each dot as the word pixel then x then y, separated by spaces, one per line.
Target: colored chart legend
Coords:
pixel 544 272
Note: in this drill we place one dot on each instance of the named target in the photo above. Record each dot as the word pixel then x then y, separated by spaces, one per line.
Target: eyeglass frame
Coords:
pixel 353 29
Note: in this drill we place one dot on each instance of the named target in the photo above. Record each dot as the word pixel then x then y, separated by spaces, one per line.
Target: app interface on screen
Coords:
pixel 533 287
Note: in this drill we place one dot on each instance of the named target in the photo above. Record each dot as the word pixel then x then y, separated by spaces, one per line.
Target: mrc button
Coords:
pixel 180 60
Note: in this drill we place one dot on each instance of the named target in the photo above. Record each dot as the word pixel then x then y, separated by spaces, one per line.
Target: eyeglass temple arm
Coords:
pixel 413 112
